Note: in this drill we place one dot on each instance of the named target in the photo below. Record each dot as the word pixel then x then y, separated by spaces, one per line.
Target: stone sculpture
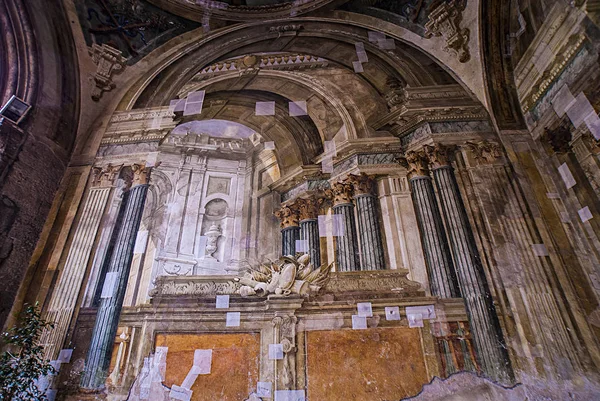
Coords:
pixel 284 277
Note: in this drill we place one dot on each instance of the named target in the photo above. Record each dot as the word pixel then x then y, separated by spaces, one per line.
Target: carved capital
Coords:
pixel 105 176
pixel 363 184
pixel 288 216
pixel 340 193
pixel 141 174
pixel 108 61
pixel 416 164
pixel 558 138
pixel 484 152
pixel 444 20
pixel 439 155
pixel 309 208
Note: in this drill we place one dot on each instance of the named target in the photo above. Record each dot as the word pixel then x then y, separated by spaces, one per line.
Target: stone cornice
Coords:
pixel 348 148
pixel 139 126
pixel 295 177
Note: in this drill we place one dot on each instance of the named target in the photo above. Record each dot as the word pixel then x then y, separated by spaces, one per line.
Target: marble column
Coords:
pixel 369 228
pixel 438 260
pixel 487 334
pixel 290 230
pixel 66 291
pixel 346 244
pixel 115 284
pixel 309 226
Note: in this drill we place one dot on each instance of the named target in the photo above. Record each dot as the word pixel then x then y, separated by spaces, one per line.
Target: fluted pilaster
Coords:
pixel 438 260
pixel 107 319
pixel 371 257
pixel 487 333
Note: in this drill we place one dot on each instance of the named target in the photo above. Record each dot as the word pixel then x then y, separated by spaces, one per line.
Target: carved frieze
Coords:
pixel 105 176
pixel 288 215
pixel 194 285
pixel 372 281
pixel 444 20
pixel 108 61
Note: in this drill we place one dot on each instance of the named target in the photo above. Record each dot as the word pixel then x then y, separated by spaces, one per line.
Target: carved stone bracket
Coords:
pixel 444 20
pixel 109 61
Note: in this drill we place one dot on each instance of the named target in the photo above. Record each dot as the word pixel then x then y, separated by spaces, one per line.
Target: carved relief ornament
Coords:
pixel 439 155
pixel 105 176
pixel 108 61
pixel 288 216
pixel 363 184
pixel 141 174
pixel 444 20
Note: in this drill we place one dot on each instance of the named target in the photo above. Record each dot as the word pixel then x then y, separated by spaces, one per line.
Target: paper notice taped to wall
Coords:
pixel 275 351
pixel 222 302
pixel 265 109
pixel 359 322
pixel 232 319
pixel 566 175
pixel 392 313
pixel 180 393
pixel 263 389
pixel 65 355
pixel 415 320
pixel 298 109
pixel 426 311
pixel 140 242
pixel 365 309
pixel 290 395
pixel 110 282
pixel 585 214
pixel 539 250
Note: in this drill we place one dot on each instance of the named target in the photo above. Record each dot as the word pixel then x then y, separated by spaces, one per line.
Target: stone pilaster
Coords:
pixel 290 229
pixel 438 259
pixel 107 319
pixel 346 244
pixel 371 257
pixel 492 353
pixel 309 226
pixel 64 297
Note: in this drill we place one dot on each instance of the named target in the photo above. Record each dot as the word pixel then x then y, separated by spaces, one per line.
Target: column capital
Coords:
pixel 288 215
pixel 439 155
pixel 340 193
pixel 484 152
pixel 105 176
pixel 309 208
pixel 141 174
pixel 363 184
pixel 416 163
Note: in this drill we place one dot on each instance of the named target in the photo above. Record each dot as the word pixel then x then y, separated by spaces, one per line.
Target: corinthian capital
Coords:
pixel 288 215
pixel 416 164
pixel 105 176
pixel 340 193
pixel 439 155
pixel 363 184
pixel 141 174
pixel 484 152
pixel 309 208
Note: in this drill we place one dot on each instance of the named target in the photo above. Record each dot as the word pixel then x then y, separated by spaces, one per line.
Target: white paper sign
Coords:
pixel 330 148
pixel 415 320
pixel 386 44
pixel 375 36
pixel 579 110
pixel 263 389
pixel 110 282
pixel 56 365
pixel 357 66
pixel 301 245
pixel 202 361
pixel 192 108
pixel 151 159
pixel 222 301
pixel 140 242
pixel 359 322
pixel 585 214
pixel 566 175
pixel 265 109
pixel 365 309
pixel 539 250
pixel 426 311
pixel 65 355
pixel 562 100
pixel 298 109
pixel 232 319
pixel 275 351
pixel 270 145
pixel 180 393
pixel 327 165
pixel 51 395
pixel 290 395
pixel 593 124
pixel 190 379
pixel 392 313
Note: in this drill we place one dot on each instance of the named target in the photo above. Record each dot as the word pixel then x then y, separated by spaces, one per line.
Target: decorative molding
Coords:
pixel 484 152
pixel 194 285
pixel 109 61
pixel 445 20
pixel 379 281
